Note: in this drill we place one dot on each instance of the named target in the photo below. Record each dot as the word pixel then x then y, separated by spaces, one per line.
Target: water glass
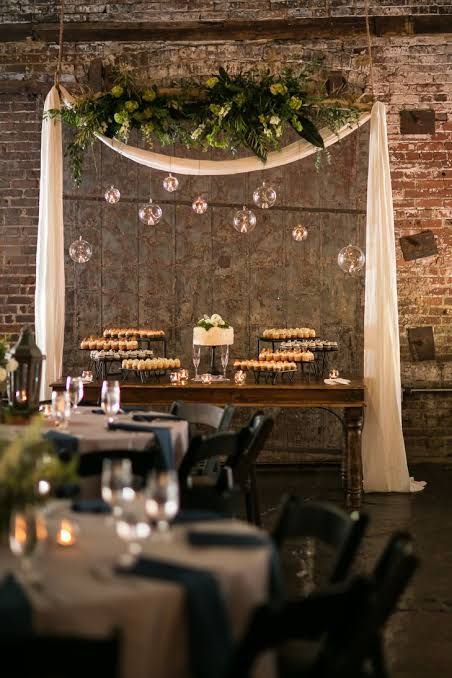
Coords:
pixel 117 484
pixel 110 399
pixel 61 408
pixel 162 498
pixel 27 530
pixel 132 526
pixel 196 358
pixel 224 354
pixel 74 386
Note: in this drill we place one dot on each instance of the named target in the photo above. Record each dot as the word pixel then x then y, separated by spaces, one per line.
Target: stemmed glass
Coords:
pixel 26 530
pixel 117 484
pixel 196 359
pixel 162 498
pixel 74 386
pixel 224 358
pixel 110 399
pixel 132 526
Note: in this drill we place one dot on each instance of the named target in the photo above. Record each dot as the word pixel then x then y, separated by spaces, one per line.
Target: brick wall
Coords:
pixel 412 72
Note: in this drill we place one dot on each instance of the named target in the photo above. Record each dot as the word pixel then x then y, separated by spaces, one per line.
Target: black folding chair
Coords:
pixel 325 522
pixel 44 656
pixel 204 414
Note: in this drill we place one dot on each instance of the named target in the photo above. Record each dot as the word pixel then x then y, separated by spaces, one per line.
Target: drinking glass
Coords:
pixel 132 526
pixel 162 498
pixel 74 386
pixel 110 399
pixel 27 530
pixel 61 408
pixel 117 484
pixel 224 354
pixel 196 359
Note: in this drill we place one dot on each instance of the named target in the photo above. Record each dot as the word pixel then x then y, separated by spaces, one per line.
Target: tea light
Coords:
pixel 67 532
pixel 174 378
pixel 206 378
pixel 333 373
pixel 240 377
pixel 183 375
pixel 21 396
pixel 87 375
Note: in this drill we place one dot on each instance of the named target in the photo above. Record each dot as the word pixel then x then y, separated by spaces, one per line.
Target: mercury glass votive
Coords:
pixel 67 532
pixel 174 378
pixel 240 377
pixel 334 373
pixel 183 375
pixel 206 378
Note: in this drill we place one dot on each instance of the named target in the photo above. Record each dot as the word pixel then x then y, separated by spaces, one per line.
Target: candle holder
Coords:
pixel 334 373
pixel 174 378
pixel 206 378
pixel 183 376
pixel 240 377
pixel 67 532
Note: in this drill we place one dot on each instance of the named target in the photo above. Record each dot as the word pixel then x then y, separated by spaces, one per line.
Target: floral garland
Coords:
pixel 247 110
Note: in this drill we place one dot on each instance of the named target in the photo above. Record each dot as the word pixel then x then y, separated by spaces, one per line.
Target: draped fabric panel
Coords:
pixel 384 458
pixel 50 291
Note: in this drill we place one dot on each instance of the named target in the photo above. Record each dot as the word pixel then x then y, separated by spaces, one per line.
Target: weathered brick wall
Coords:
pixel 410 72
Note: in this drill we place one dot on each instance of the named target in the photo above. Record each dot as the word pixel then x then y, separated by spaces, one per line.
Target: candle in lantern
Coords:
pixel 21 396
pixel 67 532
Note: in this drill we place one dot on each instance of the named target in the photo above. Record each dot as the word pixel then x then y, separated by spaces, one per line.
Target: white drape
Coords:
pixel 384 458
pixel 50 292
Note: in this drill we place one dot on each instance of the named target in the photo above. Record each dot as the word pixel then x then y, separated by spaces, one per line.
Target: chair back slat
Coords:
pixel 203 447
pixel 204 414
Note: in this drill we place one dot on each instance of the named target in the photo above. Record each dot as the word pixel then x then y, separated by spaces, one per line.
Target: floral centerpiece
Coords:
pixel 29 470
pixel 7 364
pixel 213 331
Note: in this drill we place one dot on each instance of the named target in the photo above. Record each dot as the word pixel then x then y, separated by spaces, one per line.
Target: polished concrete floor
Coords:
pixel 419 636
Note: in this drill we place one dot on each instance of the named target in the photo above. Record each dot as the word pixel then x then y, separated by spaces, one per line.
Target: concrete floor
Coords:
pixel 419 636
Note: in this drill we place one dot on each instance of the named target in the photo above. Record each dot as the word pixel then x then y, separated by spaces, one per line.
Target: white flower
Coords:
pixel 275 120
pixel 12 365
pixel 3 374
pixel 216 319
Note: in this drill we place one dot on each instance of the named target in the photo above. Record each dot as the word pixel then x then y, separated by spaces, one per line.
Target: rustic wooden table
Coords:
pixel 350 398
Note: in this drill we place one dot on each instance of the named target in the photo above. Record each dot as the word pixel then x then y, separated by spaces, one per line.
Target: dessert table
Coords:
pixel 81 592
pixel 348 399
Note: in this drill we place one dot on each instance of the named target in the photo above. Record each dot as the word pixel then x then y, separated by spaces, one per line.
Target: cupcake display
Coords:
pixel 132 333
pixel 297 356
pixel 288 333
pixel 265 365
pixel 150 364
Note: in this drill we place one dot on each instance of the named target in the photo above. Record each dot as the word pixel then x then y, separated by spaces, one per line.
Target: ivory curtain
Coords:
pixel 384 458
pixel 50 291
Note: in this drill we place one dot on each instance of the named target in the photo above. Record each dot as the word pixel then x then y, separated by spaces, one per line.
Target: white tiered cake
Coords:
pixel 213 332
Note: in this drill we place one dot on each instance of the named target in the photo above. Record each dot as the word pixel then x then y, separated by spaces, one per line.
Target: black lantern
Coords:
pixel 25 381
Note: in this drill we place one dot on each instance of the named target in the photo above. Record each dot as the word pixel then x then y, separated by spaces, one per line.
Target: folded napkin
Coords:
pixel 210 639
pixel 15 608
pixel 91 506
pixel 165 459
pixel 99 410
pixel 194 516
pixel 63 442
pixel 152 416
pixel 209 539
pixel 338 380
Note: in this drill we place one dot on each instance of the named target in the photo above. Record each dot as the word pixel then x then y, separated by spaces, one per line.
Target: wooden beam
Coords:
pixel 234 30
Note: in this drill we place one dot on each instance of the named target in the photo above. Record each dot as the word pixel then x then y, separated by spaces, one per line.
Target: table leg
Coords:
pixel 353 459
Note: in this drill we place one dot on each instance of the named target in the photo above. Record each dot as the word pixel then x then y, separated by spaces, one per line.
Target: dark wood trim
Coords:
pixel 235 30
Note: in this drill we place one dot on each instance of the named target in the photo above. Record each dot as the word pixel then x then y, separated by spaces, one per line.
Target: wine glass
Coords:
pixel 74 386
pixel 61 408
pixel 132 526
pixel 26 530
pixel 117 484
pixel 162 498
pixel 110 399
pixel 196 359
pixel 224 354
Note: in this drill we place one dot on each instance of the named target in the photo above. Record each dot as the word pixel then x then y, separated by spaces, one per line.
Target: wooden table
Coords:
pixel 349 398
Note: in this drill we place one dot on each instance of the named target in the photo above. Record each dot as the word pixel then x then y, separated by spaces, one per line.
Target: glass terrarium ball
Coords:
pixel 170 183
pixel 264 196
pixel 244 220
pixel 112 195
pixel 351 259
pixel 80 251
pixel 299 233
pixel 199 205
pixel 150 213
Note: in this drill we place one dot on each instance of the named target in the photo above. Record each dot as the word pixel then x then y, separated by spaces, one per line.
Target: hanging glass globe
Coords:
pixel 199 205
pixel 244 220
pixel 150 213
pixel 170 183
pixel 264 196
pixel 299 233
pixel 112 195
pixel 80 251
pixel 351 259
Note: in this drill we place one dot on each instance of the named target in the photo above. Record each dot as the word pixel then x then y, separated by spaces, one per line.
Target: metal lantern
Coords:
pixel 25 381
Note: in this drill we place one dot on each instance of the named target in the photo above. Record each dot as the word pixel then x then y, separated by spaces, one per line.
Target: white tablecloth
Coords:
pixel 80 594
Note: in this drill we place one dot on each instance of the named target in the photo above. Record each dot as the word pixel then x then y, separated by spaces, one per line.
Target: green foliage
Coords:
pixel 25 461
pixel 247 110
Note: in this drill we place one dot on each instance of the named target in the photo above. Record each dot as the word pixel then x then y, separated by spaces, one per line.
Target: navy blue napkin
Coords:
pixel 194 516
pixel 163 436
pixel 243 540
pixel 15 609
pixel 91 506
pixel 210 639
pixel 63 442
pixel 99 410
pixel 156 415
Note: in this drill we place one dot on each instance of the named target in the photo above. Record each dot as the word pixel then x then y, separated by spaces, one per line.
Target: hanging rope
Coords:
pixel 369 50
pixel 60 45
